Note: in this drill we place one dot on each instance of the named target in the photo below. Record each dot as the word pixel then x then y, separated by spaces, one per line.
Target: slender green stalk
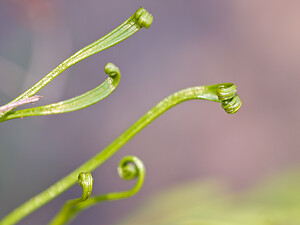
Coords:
pixel 130 167
pixel 79 102
pixel 141 18
pixel 224 93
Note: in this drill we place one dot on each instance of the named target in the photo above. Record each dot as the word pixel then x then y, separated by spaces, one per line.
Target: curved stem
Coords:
pixel 76 103
pixel 224 93
pixel 141 18
pixel 130 167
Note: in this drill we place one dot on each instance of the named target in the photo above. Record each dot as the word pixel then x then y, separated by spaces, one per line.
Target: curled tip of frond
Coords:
pixel 112 70
pixel 231 102
pixel 232 105
pixel 144 18
pixel 85 180
pixel 226 92
pixel 130 167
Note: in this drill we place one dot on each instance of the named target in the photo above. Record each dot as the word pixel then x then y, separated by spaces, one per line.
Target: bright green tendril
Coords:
pixel 85 180
pixel 130 167
pixel 79 102
pixel 141 18
pixel 224 93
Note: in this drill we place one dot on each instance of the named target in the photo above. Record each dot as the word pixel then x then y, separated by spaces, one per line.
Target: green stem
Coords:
pixel 141 18
pixel 130 167
pixel 217 93
pixel 76 103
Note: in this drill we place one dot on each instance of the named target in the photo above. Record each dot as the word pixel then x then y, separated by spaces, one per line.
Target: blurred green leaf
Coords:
pixel 276 202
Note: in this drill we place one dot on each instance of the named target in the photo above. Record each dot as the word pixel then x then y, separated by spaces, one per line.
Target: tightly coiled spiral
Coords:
pixel 130 167
pixel 143 17
pixel 231 102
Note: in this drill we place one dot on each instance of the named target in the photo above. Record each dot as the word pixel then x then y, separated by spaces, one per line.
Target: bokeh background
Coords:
pixel 254 44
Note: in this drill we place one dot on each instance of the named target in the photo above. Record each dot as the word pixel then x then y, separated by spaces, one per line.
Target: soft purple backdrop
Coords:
pixel 254 44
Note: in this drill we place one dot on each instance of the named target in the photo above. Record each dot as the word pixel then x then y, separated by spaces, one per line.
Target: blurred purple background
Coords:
pixel 254 44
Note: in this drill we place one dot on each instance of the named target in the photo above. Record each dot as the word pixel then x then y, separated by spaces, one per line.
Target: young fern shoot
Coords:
pixel 130 167
pixel 141 18
pixel 222 93
pixel 73 104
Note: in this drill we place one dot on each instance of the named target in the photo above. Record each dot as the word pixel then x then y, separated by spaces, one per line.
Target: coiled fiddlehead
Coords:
pixel 222 93
pixel 231 102
pixel 76 103
pixel 130 167
pixel 141 18
pixel 85 180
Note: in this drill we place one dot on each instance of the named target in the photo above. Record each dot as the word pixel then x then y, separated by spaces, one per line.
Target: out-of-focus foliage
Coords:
pixel 276 202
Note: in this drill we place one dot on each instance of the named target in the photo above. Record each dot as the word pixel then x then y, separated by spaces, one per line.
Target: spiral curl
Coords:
pixel 85 180
pixel 143 17
pixel 130 167
pixel 112 70
pixel 139 19
pixel 84 100
pixel 231 102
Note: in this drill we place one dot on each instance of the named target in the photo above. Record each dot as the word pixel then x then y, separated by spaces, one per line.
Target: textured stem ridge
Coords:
pixel 130 167
pixel 141 18
pixel 222 93
pixel 73 104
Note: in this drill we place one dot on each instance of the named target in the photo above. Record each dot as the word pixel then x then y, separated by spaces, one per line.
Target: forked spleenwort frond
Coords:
pixel 141 18
pixel 223 93
pixel 73 104
pixel 130 167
